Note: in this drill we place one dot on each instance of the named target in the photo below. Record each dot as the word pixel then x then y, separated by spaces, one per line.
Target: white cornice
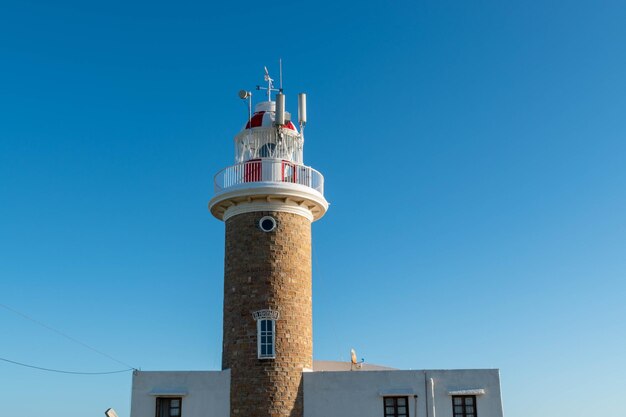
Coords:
pixel 264 206
pixel 267 196
pixel 475 391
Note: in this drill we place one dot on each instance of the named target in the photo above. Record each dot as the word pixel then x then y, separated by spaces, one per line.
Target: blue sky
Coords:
pixel 474 157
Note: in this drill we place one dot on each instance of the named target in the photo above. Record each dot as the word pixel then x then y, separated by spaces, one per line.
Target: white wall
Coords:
pixel 359 393
pixel 326 394
pixel 487 405
pixel 207 393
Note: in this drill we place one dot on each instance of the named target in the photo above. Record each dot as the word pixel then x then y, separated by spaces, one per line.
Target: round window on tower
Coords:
pixel 267 223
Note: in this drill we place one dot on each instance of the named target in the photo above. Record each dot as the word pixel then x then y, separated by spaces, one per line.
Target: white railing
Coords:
pixel 268 170
pixel 268 142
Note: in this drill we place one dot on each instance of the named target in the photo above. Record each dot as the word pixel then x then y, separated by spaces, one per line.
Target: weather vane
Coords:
pixel 270 82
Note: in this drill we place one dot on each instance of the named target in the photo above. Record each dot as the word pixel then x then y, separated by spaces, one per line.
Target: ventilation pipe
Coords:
pixel 432 396
pixel 429 385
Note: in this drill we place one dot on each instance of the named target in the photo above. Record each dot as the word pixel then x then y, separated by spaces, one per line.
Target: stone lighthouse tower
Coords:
pixel 268 200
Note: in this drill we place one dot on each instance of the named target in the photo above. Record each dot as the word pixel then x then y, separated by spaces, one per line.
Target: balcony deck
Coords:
pixel 268 184
pixel 268 171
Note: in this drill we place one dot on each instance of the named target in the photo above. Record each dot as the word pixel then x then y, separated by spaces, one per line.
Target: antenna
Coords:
pixel 280 76
pixel 247 95
pixel 280 109
pixel 302 113
pixel 302 109
pixel 354 363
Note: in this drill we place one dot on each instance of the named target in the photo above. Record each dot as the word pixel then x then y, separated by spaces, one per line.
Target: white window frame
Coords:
pixel 266 333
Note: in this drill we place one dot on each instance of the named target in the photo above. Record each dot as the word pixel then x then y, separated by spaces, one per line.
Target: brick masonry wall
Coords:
pixel 267 271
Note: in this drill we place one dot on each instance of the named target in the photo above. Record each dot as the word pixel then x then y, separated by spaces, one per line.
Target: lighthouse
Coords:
pixel 268 200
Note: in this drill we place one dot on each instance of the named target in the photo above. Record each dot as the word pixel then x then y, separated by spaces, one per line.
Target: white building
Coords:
pixel 268 201
pixel 330 392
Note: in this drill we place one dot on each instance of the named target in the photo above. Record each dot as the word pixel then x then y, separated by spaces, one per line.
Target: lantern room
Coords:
pixel 263 137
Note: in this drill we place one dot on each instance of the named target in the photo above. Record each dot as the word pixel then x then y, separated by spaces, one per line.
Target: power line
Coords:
pixel 65 372
pixel 65 336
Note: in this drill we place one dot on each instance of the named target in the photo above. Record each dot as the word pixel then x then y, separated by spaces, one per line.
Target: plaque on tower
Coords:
pixel 266 315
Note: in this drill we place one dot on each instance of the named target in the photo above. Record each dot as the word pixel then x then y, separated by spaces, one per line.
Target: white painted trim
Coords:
pixel 477 391
pixel 273 188
pixel 265 206
pixel 397 392
pixel 166 393
pixel 296 199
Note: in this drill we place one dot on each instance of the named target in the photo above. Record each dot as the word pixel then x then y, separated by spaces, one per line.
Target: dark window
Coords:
pixel 464 406
pixel 267 223
pixel 267 150
pixel 266 329
pixel 396 406
pixel 168 406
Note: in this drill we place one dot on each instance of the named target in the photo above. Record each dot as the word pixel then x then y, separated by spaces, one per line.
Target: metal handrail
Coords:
pixel 268 170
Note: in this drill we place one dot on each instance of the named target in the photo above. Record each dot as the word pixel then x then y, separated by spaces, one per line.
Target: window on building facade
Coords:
pixel 168 406
pixel 266 330
pixel 464 406
pixel 396 406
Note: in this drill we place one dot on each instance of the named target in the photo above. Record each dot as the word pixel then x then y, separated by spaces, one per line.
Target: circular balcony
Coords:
pixel 268 170
pixel 266 185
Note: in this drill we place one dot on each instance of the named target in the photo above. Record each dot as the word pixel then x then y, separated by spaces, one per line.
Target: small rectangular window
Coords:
pixel 396 406
pixel 464 406
pixel 266 330
pixel 168 406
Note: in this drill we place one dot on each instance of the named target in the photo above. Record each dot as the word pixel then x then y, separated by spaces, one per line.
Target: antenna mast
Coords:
pixel 280 76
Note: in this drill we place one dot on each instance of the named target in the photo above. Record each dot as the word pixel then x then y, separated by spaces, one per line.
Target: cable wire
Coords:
pixel 65 336
pixel 65 372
